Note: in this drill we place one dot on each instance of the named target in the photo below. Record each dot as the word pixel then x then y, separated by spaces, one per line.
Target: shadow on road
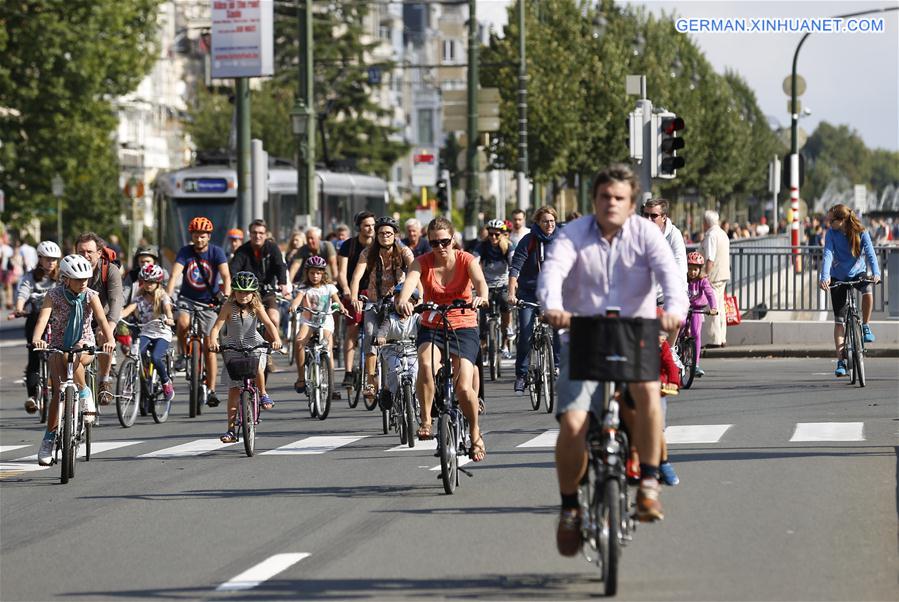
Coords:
pixel 361 491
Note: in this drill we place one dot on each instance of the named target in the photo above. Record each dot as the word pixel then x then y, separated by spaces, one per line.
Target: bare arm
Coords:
pixel 480 284
pixel 225 274
pixel 342 263
pixel 213 337
pixel 177 271
pixel 413 278
pixel 109 345
pixel 42 318
pixel 294 268
pixel 129 309
pixel 270 327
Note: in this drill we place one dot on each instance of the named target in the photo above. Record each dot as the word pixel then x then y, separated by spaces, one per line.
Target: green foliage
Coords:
pixel 60 62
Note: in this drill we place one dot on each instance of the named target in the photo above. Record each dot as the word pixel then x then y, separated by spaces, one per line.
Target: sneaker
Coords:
pixel 299 387
pixel 266 402
pixel 104 392
pixel 510 333
pixel 45 453
pixel 677 362
pixel 699 372
pixel 180 363
pixel 168 389
pixel 348 378
pixel 568 533
pixel 519 386
pixel 841 368
pixel 667 474
pixel 212 399
pixel 87 405
pixel 867 335
pixel 556 372
pixel 649 508
pixel 31 405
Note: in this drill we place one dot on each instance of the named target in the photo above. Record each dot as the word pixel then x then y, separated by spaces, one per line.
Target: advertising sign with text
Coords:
pixel 242 38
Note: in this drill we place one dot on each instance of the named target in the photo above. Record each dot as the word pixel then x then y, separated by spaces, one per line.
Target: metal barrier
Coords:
pixel 766 279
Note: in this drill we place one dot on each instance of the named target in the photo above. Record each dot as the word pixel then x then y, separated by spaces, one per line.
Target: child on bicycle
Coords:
pixel 154 317
pixel 69 309
pixel 242 312
pixel 701 295
pixel 395 328
pixel 318 293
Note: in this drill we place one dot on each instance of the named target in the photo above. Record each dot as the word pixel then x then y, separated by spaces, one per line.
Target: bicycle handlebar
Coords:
pixel 83 349
pixel 431 306
pixel 839 283
pixel 521 303
pixel 266 346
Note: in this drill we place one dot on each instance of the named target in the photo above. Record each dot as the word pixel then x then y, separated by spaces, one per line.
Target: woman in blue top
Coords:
pixel 848 254
pixel 523 273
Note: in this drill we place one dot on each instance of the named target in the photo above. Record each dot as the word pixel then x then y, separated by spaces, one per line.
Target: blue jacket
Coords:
pixel 529 255
pixel 839 263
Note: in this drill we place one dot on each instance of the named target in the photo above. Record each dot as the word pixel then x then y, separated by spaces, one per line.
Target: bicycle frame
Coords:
pixel 315 349
pixel 71 426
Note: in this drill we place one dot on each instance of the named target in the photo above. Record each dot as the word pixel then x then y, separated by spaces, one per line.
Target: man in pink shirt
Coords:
pixel 612 258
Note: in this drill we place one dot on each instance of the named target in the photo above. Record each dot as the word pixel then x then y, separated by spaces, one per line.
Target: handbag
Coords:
pixel 732 310
pixel 614 349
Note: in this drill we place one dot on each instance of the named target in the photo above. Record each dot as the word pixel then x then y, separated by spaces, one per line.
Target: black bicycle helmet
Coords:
pixel 245 281
pixel 149 250
pixel 387 221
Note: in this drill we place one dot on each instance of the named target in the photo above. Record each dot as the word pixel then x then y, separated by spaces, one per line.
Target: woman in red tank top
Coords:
pixel 446 274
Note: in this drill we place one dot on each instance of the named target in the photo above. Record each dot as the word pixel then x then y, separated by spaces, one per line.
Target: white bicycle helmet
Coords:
pixel 50 249
pixel 76 266
pixel 496 224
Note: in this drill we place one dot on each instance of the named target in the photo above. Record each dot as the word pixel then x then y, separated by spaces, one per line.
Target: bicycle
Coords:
pixel 404 411
pixel 685 348
pixel 196 368
pixel 360 379
pixel 494 330
pixel 75 430
pixel 453 436
pixel 138 386
pixel 244 369
pixel 853 341
pixel 541 378
pixel 317 360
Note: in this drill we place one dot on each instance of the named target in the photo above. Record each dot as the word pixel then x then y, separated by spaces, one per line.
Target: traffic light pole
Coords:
pixel 522 177
pixel 645 106
pixel 472 202
pixel 244 160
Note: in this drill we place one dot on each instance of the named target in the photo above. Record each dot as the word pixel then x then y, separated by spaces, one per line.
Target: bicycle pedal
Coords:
pixel 466 471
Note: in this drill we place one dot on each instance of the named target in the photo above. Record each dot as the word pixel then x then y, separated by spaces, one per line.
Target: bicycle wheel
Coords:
pixel 686 349
pixel 43 389
pixel 158 404
pixel 491 351
pixel 67 467
pixel 608 527
pixel 291 335
pixel 548 386
pixel 355 394
pixel 313 385
pixel 326 386
pixel 449 460
pixel 127 392
pixel 370 404
pixel 248 422
pixel 196 375
pixel 88 429
pixel 858 354
pixel 409 413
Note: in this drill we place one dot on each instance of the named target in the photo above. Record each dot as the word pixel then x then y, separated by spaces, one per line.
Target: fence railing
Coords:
pixel 778 279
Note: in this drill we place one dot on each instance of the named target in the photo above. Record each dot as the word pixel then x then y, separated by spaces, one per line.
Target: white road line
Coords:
pixel 263 571
pixel 7 344
pixel 313 445
pixel 20 467
pixel 695 433
pixel 96 448
pixel 829 431
pixel 427 445
pixel 6 448
pixel 547 439
pixel 463 460
pixel 194 448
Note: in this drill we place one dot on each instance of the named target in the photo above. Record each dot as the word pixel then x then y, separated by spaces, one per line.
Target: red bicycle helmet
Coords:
pixel 200 224
pixel 151 273
pixel 316 262
pixel 695 258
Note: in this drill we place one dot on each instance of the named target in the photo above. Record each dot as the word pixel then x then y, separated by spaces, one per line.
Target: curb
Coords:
pixel 768 351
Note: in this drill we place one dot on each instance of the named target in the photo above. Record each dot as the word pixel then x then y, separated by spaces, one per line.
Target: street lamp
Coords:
pixel 58 187
pixel 300 117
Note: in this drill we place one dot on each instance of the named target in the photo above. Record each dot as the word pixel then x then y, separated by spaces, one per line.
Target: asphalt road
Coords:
pixel 760 514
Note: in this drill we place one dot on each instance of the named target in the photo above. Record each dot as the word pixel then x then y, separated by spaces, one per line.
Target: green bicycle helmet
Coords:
pixel 245 281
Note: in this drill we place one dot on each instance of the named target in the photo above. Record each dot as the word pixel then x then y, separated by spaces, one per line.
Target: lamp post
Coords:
pixel 58 187
pixel 302 115
pixel 299 118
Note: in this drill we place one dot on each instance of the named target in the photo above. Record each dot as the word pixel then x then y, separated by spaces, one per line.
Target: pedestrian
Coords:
pixel 716 249
pixel 28 254
pixel 762 228
pixel 414 240
pixel 519 229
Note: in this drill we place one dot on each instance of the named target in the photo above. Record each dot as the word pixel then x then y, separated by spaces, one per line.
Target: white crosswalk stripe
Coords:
pixel 547 439
pixel 695 433
pixel 9 448
pixel 828 431
pixel 194 448
pixel 313 445
pixel 29 463
pixel 265 570
pixel 426 445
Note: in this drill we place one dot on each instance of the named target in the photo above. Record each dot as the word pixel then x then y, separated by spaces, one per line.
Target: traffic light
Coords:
pixel 666 125
pixel 635 134
pixel 442 197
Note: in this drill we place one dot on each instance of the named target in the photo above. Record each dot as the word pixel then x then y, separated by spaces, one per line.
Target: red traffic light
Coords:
pixel 671 125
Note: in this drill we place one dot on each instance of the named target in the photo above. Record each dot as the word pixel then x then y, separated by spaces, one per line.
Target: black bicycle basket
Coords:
pixel 242 367
pixel 614 349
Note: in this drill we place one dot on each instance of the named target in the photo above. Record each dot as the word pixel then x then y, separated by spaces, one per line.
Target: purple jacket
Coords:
pixel 697 289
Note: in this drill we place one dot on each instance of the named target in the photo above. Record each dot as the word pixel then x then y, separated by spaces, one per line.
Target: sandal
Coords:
pixel 299 386
pixel 478 451
pixel 229 437
pixel 266 402
pixel 368 391
pixel 424 432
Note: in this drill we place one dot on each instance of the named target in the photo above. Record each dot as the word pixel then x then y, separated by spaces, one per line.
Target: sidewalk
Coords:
pixel 795 350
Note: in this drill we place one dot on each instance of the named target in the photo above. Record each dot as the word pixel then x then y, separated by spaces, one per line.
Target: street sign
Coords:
pixel 788 85
pixel 242 39
pixel 860 197
pixel 424 167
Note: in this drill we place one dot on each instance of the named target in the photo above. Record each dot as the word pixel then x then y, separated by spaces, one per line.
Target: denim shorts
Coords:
pixel 463 342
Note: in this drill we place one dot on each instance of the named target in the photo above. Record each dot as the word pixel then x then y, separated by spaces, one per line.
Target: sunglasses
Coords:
pixel 652 215
pixel 442 242
pixel 494 234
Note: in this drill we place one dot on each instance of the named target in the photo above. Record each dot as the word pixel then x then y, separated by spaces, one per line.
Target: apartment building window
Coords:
pixel 449 51
pixel 426 126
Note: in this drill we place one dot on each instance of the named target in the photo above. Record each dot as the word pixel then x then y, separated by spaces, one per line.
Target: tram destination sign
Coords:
pixel 205 185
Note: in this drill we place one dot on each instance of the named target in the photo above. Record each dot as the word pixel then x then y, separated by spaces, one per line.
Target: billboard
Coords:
pixel 242 38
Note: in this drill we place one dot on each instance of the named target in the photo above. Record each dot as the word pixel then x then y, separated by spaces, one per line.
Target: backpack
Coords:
pixel 107 256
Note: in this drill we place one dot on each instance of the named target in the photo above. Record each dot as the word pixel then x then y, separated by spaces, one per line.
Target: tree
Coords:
pixel 60 63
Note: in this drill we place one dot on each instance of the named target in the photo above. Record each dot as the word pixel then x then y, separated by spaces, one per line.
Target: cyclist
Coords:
pixel 495 255
pixel 414 240
pixel 446 274
pixel 206 280
pixel 69 310
pixel 314 247
pixel 144 255
pixel 106 280
pixel 526 265
pixel 517 229
pixel 154 316
pixel 702 295
pixel 347 258
pixel 243 311
pixel 848 255
pixel 235 241
pixel 30 294
pixel 317 293
pixel 389 269
pixel 610 258
pixel 262 257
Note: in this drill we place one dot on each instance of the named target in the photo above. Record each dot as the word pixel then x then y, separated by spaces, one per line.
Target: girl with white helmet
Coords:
pixel 33 287
pixel 154 316
pixel 69 309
